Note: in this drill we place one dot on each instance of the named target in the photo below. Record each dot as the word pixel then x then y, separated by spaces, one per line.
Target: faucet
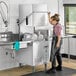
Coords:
pixel 3 14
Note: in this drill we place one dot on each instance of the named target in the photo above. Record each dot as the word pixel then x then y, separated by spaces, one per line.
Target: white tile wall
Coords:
pixel 13 6
pixel 69 1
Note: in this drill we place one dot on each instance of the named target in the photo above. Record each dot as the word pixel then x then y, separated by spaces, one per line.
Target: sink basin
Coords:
pixel 8 37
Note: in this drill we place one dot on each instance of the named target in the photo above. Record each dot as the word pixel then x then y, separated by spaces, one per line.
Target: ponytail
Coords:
pixel 56 17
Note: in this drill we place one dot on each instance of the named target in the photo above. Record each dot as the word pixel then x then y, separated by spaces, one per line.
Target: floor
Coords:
pixel 65 72
pixel 27 69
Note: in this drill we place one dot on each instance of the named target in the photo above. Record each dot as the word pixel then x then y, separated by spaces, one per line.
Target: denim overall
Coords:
pixel 55 52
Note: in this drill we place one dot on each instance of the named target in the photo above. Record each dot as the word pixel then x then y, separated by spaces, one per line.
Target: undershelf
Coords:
pixel 71 56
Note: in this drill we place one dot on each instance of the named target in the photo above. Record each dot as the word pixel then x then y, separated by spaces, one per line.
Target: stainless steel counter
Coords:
pixel 11 43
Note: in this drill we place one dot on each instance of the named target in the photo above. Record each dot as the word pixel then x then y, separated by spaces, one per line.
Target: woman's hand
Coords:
pixel 48 13
pixel 57 45
pixel 49 16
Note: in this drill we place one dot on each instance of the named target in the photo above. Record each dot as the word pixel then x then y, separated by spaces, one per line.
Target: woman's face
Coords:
pixel 53 22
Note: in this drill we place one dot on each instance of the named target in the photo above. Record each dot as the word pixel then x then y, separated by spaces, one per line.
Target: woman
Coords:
pixel 56 43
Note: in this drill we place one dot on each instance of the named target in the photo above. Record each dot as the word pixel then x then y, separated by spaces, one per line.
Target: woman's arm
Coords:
pixel 58 42
pixel 49 16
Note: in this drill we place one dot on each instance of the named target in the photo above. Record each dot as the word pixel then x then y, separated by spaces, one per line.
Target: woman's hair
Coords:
pixel 55 17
